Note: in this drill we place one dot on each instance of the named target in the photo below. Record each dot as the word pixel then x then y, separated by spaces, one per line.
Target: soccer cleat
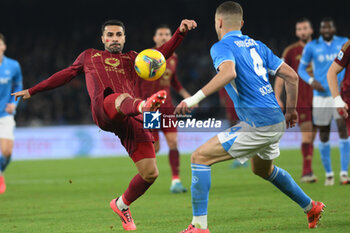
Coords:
pixel 314 215
pixel 2 184
pixel 309 178
pixel 192 229
pixel 177 187
pixel 344 179
pixel 154 102
pixel 125 216
pixel 329 181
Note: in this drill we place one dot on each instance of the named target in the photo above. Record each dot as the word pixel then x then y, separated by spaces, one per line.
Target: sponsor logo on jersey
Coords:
pixel 96 55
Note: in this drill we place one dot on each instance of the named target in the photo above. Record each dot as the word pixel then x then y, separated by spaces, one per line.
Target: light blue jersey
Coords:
pixel 322 55
pixel 252 94
pixel 10 81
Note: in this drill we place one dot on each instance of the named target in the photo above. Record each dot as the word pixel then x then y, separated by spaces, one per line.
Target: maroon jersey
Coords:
pixel 169 79
pixel 343 59
pixel 291 56
pixel 104 71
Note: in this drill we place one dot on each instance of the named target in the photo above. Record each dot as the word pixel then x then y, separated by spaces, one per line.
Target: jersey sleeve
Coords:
pixel 273 62
pixel 343 56
pixel 61 77
pixel 17 84
pixel 221 52
pixel 306 58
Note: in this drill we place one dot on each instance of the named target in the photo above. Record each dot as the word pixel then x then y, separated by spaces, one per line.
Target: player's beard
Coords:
pixel 114 48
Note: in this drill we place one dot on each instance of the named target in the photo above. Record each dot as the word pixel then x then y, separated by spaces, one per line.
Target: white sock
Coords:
pixel 121 205
pixel 308 207
pixel 200 221
pixel 328 174
pixel 342 173
pixel 174 181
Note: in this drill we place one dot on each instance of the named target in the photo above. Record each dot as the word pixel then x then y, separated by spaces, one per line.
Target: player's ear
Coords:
pixel 242 23
pixel 102 39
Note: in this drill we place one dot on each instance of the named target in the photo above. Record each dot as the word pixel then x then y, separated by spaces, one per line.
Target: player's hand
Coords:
pixel 187 25
pixel 10 108
pixel 343 111
pixel 182 108
pixel 24 94
pixel 317 86
pixel 291 118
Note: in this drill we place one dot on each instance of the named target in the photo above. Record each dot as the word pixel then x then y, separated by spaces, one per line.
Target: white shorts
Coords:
pixel 323 110
pixel 7 127
pixel 243 141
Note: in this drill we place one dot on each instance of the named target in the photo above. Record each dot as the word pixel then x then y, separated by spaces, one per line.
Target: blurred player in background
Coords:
pixel 110 80
pixel 243 65
pixel 321 52
pixel 10 81
pixel 168 80
pixel 291 56
pixel 342 100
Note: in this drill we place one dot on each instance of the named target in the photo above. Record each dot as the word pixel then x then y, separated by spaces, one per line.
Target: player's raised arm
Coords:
pixel 291 83
pixel 169 47
pixel 56 80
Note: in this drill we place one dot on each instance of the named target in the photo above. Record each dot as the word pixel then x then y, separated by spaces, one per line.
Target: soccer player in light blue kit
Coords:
pixel 321 52
pixel 10 81
pixel 243 65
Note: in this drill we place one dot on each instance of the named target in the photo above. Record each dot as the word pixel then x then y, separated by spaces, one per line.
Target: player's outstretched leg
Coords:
pixel 144 158
pixel 206 155
pixel 5 159
pixel 117 105
pixel 285 183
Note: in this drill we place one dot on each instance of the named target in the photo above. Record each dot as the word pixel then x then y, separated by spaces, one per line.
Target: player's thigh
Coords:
pixel 210 152
pixel 342 129
pixel 261 167
pixel 148 169
pixel 307 132
pixel 6 146
pixel 171 138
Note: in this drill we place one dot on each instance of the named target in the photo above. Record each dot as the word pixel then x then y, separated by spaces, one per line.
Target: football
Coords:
pixel 150 64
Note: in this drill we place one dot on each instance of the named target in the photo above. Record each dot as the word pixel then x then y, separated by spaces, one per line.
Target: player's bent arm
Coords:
pixel 332 78
pixel 279 86
pixel 302 71
pixel 169 47
pixel 226 74
pixel 291 84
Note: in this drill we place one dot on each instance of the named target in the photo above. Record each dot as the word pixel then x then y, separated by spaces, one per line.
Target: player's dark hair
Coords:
pixel 304 20
pixel 329 20
pixel 112 22
pixel 229 8
pixel 2 37
pixel 161 26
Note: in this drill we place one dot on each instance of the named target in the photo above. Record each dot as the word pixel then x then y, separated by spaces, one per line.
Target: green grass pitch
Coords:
pixel 73 196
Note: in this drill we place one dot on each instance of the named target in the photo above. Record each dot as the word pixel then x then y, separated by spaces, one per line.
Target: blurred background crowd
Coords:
pixel 46 41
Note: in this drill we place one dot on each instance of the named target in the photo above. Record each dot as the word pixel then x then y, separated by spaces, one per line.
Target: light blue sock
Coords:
pixel 344 147
pixel 325 151
pixel 201 181
pixel 4 161
pixel 284 182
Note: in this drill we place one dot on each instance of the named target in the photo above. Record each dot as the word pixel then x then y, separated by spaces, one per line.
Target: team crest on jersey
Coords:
pixel 96 55
pixel 340 55
pixel 112 61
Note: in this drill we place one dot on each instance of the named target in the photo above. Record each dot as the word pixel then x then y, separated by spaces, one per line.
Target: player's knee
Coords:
pixel 6 152
pixel 150 175
pixel 172 144
pixel 198 157
pixel 324 137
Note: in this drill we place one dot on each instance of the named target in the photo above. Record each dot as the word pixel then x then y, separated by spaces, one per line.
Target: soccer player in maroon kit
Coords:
pixel 168 80
pixel 291 56
pixel 342 100
pixel 110 80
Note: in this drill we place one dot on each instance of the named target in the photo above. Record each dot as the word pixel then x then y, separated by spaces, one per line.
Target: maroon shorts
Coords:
pixel 304 114
pixel 137 141
pixel 346 98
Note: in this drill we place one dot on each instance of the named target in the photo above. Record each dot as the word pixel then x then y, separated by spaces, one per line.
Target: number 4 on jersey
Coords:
pixel 258 64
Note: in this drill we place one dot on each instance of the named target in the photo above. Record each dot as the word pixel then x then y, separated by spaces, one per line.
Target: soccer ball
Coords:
pixel 150 64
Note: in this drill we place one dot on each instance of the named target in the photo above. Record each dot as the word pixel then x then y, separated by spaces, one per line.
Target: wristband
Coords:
pixel 311 80
pixel 195 99
pixel 338 102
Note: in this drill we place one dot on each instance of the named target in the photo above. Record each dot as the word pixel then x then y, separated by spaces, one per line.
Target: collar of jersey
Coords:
pixel 322 40
pixel 232 33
